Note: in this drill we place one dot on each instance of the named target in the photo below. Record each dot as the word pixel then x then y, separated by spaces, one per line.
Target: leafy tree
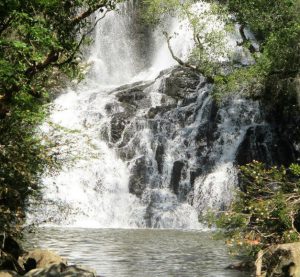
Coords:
pixel 41 39
pixel 277 26
pixel 210 43
pixel 40 42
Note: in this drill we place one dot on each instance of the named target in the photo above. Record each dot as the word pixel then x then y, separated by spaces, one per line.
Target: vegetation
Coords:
pixel 210 41
pixel 267 209
pixel 40 43
pixel 276 25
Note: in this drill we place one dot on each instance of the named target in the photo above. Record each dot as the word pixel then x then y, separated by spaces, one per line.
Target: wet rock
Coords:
pixel 159 109
pixel 117 125
pixel 131 95
pixel 74 270
pixel 109 108
pixel 60 270
pixel 159 157
pixel 132 92
pixel 180 83
pixel 176 176
pixel 138 178
pixel 39 263
pixel 265 144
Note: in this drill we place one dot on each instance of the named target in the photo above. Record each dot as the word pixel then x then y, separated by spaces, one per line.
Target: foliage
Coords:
pixel 23 158
pixel 277 25
pixel 266 211
pixel 210 40
pixel 40 41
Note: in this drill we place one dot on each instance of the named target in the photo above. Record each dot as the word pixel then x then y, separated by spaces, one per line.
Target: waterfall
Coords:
pixel 150 147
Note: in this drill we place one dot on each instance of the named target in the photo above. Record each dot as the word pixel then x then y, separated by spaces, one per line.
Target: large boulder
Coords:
pixel 38 262
pixel 281 260
pixel 180 83
pixel 39 258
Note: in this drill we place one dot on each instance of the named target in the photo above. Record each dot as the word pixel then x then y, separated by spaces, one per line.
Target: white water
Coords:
pixel 93 190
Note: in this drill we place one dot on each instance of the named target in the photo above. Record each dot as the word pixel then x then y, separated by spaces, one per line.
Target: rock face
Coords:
pixel 174 136
pixel 266 144
pixel 279 260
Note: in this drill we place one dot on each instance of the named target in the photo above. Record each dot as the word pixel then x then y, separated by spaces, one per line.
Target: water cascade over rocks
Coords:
pixel 151 147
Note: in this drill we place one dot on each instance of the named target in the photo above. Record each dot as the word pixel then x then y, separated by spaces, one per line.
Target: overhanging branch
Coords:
pixel 185 64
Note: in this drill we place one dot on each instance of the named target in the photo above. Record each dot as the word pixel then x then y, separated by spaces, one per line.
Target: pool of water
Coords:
pixel 138 253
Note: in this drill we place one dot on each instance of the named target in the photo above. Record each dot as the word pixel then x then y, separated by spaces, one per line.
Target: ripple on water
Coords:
pixel 139 253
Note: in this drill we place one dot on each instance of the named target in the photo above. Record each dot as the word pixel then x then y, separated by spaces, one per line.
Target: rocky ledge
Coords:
pixel 14 262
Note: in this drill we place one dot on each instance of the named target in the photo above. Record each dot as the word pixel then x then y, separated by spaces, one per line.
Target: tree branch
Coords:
pixel 88 12
pixel 186 64
pixel 51 58
pixel 69 59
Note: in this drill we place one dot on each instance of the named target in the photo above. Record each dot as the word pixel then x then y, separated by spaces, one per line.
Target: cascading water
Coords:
pixel 154 153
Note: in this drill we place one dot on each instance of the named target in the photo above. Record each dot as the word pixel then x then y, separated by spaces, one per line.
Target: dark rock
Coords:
pixel 159 109
pixel 180 83
pixel 131 92
pixel 138 178
pixel 159 157
pixel 131 95
pixel 265 144
pixel 176 175
pixel 242 266
pixel 8 262
pixel 10 246
pixel 117 125
pixel 30 264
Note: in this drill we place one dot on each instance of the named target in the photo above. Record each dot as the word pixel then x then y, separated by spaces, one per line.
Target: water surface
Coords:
pixel 138 253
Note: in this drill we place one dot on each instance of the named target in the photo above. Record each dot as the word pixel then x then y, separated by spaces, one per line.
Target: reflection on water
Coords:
pixel 138 253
